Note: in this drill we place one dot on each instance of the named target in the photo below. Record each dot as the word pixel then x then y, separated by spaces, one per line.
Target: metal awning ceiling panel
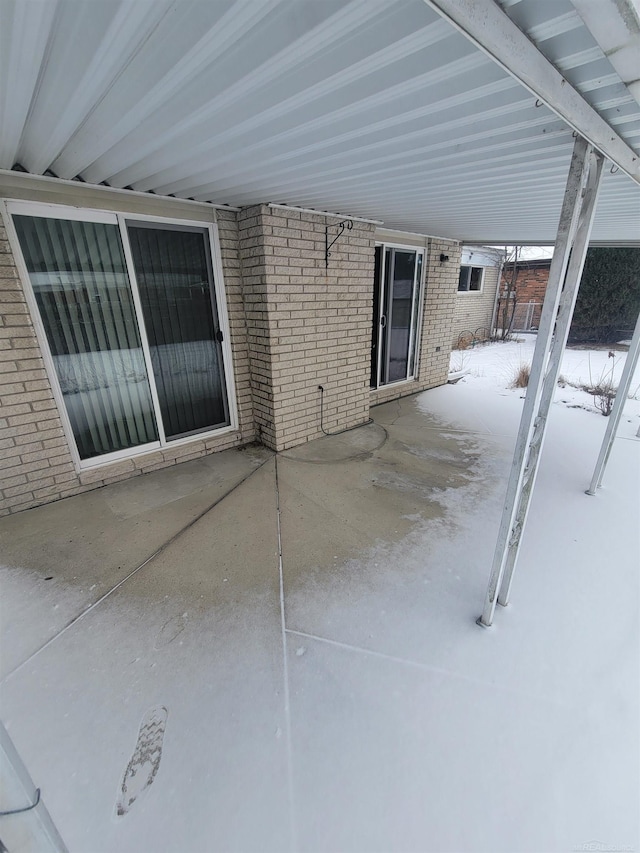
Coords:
pixel 379 108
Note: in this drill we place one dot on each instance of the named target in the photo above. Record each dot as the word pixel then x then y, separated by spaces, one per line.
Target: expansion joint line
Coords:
pixel 285 672
pixel 135 571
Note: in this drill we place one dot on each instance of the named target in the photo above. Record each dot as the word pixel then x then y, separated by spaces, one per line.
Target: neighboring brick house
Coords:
pixel 476 299
pixel 532 277
pixel 140 331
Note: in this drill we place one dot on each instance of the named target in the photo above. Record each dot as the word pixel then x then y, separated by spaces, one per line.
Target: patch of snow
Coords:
pixel 408 728
pixel 492 367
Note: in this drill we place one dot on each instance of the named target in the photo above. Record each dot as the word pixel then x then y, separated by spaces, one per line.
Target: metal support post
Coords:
pixel 25 824
pixel 616 412
pixel 559 341
pixel 571 245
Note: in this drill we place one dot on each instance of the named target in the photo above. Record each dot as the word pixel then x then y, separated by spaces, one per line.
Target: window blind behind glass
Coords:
pixel 172 272
pixel 80 282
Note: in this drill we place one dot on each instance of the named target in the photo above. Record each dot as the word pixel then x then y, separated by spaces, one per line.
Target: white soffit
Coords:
pixel 379 108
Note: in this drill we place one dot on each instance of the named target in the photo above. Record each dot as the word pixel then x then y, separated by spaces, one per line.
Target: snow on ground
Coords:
pixel 347 701
pixel 492 367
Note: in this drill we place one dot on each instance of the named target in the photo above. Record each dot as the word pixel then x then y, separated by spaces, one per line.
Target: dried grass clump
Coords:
pixel 465 339
pixel 521 376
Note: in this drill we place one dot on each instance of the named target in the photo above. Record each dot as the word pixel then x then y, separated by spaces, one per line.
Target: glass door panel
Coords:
pixel 398 274
pixel 175 281
pixel 385 301
pixel 80 282
pixel 415 312
pixel 399 319
pixel 375 331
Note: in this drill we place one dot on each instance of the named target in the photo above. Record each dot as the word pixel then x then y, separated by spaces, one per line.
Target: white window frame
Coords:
pixel 85 214
pixel 472 267
pixel 419 250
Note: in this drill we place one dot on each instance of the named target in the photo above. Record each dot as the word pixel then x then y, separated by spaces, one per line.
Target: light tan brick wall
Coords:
pixel 37 466
pixel 310 325
pixel 474 310
pixel 256 304
pixel 438 310
pixel 294 323
pixel 234 290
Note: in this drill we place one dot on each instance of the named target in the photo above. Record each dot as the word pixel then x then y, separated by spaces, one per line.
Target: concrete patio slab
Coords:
pixel 302 661
pixel 437 776
pixel 382 533
pixel 61 558
pixel 194 636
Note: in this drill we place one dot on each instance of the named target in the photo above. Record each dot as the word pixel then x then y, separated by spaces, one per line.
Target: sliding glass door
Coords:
pixel 131 319
pixel 398 276
pixel 81 285
pixel 173 272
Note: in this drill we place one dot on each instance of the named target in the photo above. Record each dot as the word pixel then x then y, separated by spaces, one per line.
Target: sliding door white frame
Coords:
pixel 416 310
pixel 54 211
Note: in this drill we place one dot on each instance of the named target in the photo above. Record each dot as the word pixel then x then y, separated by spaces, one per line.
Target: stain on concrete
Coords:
pixel 143 767
pixel 334 515
pixel 136 496
pixel 387 413
pixel 171 629
pixel 88 548
pixel 359 443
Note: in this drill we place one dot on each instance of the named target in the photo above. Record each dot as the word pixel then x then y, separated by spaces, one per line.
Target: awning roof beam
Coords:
pixel 485 24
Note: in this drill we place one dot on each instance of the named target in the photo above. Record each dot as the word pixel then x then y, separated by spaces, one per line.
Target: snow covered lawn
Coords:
pixel 492 367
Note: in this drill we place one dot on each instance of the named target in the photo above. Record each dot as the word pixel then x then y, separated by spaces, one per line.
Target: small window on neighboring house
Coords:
pixel 470 279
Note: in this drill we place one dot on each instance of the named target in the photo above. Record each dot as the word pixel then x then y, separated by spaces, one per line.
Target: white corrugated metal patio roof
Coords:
pixel 379 108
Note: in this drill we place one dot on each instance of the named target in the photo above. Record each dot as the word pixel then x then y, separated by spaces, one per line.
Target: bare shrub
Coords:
pixel 603 397
pixel 521 376
pixel 604 389
pixel 508 292
pixel 458 363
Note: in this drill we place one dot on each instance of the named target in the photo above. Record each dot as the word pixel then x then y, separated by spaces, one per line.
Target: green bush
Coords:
pixel 609 297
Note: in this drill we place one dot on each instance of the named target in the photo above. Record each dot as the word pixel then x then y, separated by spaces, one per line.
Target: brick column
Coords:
pixel 439 312
pixel 308 325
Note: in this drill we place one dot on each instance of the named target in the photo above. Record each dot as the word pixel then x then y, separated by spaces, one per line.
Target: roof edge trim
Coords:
pixel 325 213
pixel 19 177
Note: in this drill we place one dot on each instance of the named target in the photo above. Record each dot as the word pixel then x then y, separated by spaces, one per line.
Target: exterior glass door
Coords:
pixel 396 306
pixel 83 291
pixel 132 325
pixel 173 273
